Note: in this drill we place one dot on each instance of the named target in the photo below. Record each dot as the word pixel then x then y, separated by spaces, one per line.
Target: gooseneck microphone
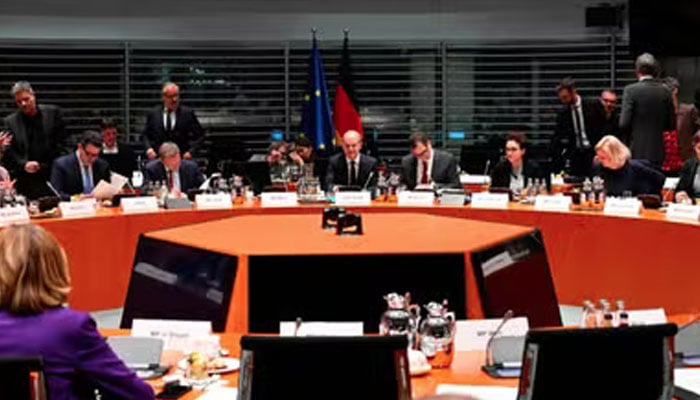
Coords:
pixel 506 317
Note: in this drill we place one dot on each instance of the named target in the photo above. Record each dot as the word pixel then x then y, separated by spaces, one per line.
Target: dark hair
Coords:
pixel 696 138
pixel 91 137
pixel 418 137
pixel 276 145
pixel 567 83
pixel 518 137
pixel 302 141
pixel 107 122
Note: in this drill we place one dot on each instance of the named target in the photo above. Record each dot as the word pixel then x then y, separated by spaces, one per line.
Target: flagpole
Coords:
pixel 346 31
pixel 313 32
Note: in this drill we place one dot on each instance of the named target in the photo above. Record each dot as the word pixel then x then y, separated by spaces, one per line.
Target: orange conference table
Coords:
pixel 647 261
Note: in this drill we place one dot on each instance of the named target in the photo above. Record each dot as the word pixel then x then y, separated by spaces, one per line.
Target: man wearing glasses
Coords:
pixel 78 173
pixel 426 166
pixel 611 126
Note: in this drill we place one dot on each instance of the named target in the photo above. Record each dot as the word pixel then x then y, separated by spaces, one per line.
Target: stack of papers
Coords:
pixel 480 392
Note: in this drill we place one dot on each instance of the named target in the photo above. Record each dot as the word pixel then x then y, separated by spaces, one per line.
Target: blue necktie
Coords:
pixel 87 181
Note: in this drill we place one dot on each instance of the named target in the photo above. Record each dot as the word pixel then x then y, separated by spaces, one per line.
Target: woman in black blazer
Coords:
pixel 623 175
pixel 515 170
pixel 688 188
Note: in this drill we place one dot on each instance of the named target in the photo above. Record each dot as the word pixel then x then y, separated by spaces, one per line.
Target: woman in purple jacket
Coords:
pixel 34 285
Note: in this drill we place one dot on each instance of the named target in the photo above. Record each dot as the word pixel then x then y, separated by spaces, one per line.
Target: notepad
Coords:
pixel 688 379
pixel 480 392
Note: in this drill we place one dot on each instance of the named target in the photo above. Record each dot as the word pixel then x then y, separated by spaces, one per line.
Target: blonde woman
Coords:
pixel 34 285
pixel 623 175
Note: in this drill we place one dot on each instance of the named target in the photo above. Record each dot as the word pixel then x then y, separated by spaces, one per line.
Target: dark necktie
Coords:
pixel 353 174
pixel 169 121
pixel 577 127
pixel 424 175
pixel 171 181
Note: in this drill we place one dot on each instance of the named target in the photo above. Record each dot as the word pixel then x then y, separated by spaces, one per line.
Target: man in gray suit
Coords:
pixel 647 112
pixel 426 166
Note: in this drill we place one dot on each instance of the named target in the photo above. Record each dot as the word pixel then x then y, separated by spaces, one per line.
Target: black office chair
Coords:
pixel 23 378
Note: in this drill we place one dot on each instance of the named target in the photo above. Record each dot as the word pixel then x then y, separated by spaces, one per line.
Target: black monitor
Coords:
pixel 339 368
pixel 173 281
pixel 257 172
pixel 514 275
pixel 601 363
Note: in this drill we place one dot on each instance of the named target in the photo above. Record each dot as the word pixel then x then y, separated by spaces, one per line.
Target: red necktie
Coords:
pixel 170 180
pixel 424 175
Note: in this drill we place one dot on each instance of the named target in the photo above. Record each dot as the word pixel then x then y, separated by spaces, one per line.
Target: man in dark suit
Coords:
pixel 81 171
pixel 647 112
pixel 172 122
pixel 38 137
pixel 611 123
pixel 578 128
pixel 427 166
pixel 351 168
pixel 178 174
pixel 120 157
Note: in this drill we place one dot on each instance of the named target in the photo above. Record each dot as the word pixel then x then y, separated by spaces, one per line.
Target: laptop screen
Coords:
pixel 324 368
pixel 173 281
pixel 616 363
pixel 514 275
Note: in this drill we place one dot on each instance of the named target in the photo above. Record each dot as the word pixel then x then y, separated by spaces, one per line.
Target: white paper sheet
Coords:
pixel 322 328
pixel 104 190
pixel 688 379
pixel 118 181
pixel 219 393
pixel 480 392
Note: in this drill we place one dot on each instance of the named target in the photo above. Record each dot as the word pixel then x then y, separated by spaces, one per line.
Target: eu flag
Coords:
pixel 316 121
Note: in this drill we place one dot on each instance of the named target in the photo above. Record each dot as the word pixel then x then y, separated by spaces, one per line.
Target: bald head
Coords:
pixel 171 95
pixel 352 144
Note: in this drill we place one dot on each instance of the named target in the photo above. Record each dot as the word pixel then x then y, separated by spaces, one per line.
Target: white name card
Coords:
pixel 652 316
pixel 287 328
pixel 685 212
pixel 630 207
pixel 416 199
pixel 552 203
pixel 474 334
pixel 466 179
pixel 13 215
pixel 278 199
pixel 219 201
pixel 353 199
pixel 490 200
pixel 176 334
pixel 132 205
pixel 82 208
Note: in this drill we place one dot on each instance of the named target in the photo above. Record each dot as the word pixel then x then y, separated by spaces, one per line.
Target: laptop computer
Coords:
pixel 605 363
pixel 140 354
pixel 366 367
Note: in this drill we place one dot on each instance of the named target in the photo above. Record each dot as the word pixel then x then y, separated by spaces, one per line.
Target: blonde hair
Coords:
pixel 33 270
pixel 615 148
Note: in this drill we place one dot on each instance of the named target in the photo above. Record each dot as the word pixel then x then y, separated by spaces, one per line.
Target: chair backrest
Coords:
pixel 22 378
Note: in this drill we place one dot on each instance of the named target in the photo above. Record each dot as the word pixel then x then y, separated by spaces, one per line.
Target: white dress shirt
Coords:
pixel 176 179
pixel 579 131
pixel 173 118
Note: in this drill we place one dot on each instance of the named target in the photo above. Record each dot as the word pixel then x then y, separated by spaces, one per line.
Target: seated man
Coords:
pixel 79 172
pixel 426 166
pixel 178 174
pixel 120 157
pixel 304 154
pixel 350 167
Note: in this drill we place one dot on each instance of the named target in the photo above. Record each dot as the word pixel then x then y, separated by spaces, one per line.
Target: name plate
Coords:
pixel 288 328
pixel 13 215
pixel 278 199
pixel 178 335
pixel 474 334
pixel 685 212
pixel 418 199
pixel 490 200
pixel 219 201
pixel 450 199
pixel 622 207
pixel 651 316
pixel 133 205
pixel 82 208
pixel 353 199
pixel 552 203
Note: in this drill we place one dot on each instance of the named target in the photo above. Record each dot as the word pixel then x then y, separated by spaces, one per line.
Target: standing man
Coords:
pixel 427 166
pixel 647 112
pixel 350 167
pixel 80 172
pixel 611 114
pixel 579 126
pixel 38 137
pixel 172 122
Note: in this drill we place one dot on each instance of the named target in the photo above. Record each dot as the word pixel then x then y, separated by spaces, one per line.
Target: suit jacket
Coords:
pixel 187 133
pixel 444 172
pixel 337 172
pixel 500 177
pixel 190 177
pixel 66 176
pixel 636 176
pixel 564 141
pixel 76 357
pixel 43 149
pixel 647 112
pixel 687 177
pixel 687 123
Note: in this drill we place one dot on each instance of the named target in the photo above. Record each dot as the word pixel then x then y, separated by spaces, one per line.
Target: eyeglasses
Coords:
pixel 511 149
pixel 92 155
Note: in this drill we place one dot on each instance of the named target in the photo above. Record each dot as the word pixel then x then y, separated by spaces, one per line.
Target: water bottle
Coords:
pixel 587 191
pixel 623 318
pixel 588 315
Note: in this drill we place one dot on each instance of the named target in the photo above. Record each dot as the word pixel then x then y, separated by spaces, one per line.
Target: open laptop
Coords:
pixel 605 363
pixel 366 367
pixel 140 354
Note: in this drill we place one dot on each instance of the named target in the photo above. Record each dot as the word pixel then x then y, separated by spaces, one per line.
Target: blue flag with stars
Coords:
pixel 316 121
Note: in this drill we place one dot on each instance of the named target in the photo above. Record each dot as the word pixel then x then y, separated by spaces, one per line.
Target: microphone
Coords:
pixel 369 179
pixel 53 189
pixel 506 317
pixel 486 168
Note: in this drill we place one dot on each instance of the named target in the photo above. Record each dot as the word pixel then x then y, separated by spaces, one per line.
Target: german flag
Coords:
pixel 345 112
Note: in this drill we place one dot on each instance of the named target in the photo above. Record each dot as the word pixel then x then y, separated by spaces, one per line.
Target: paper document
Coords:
pixel 118 181
pixel 219 393
pixel 104 190
pixel 688 379
pixel 287 328
pixel 480 392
